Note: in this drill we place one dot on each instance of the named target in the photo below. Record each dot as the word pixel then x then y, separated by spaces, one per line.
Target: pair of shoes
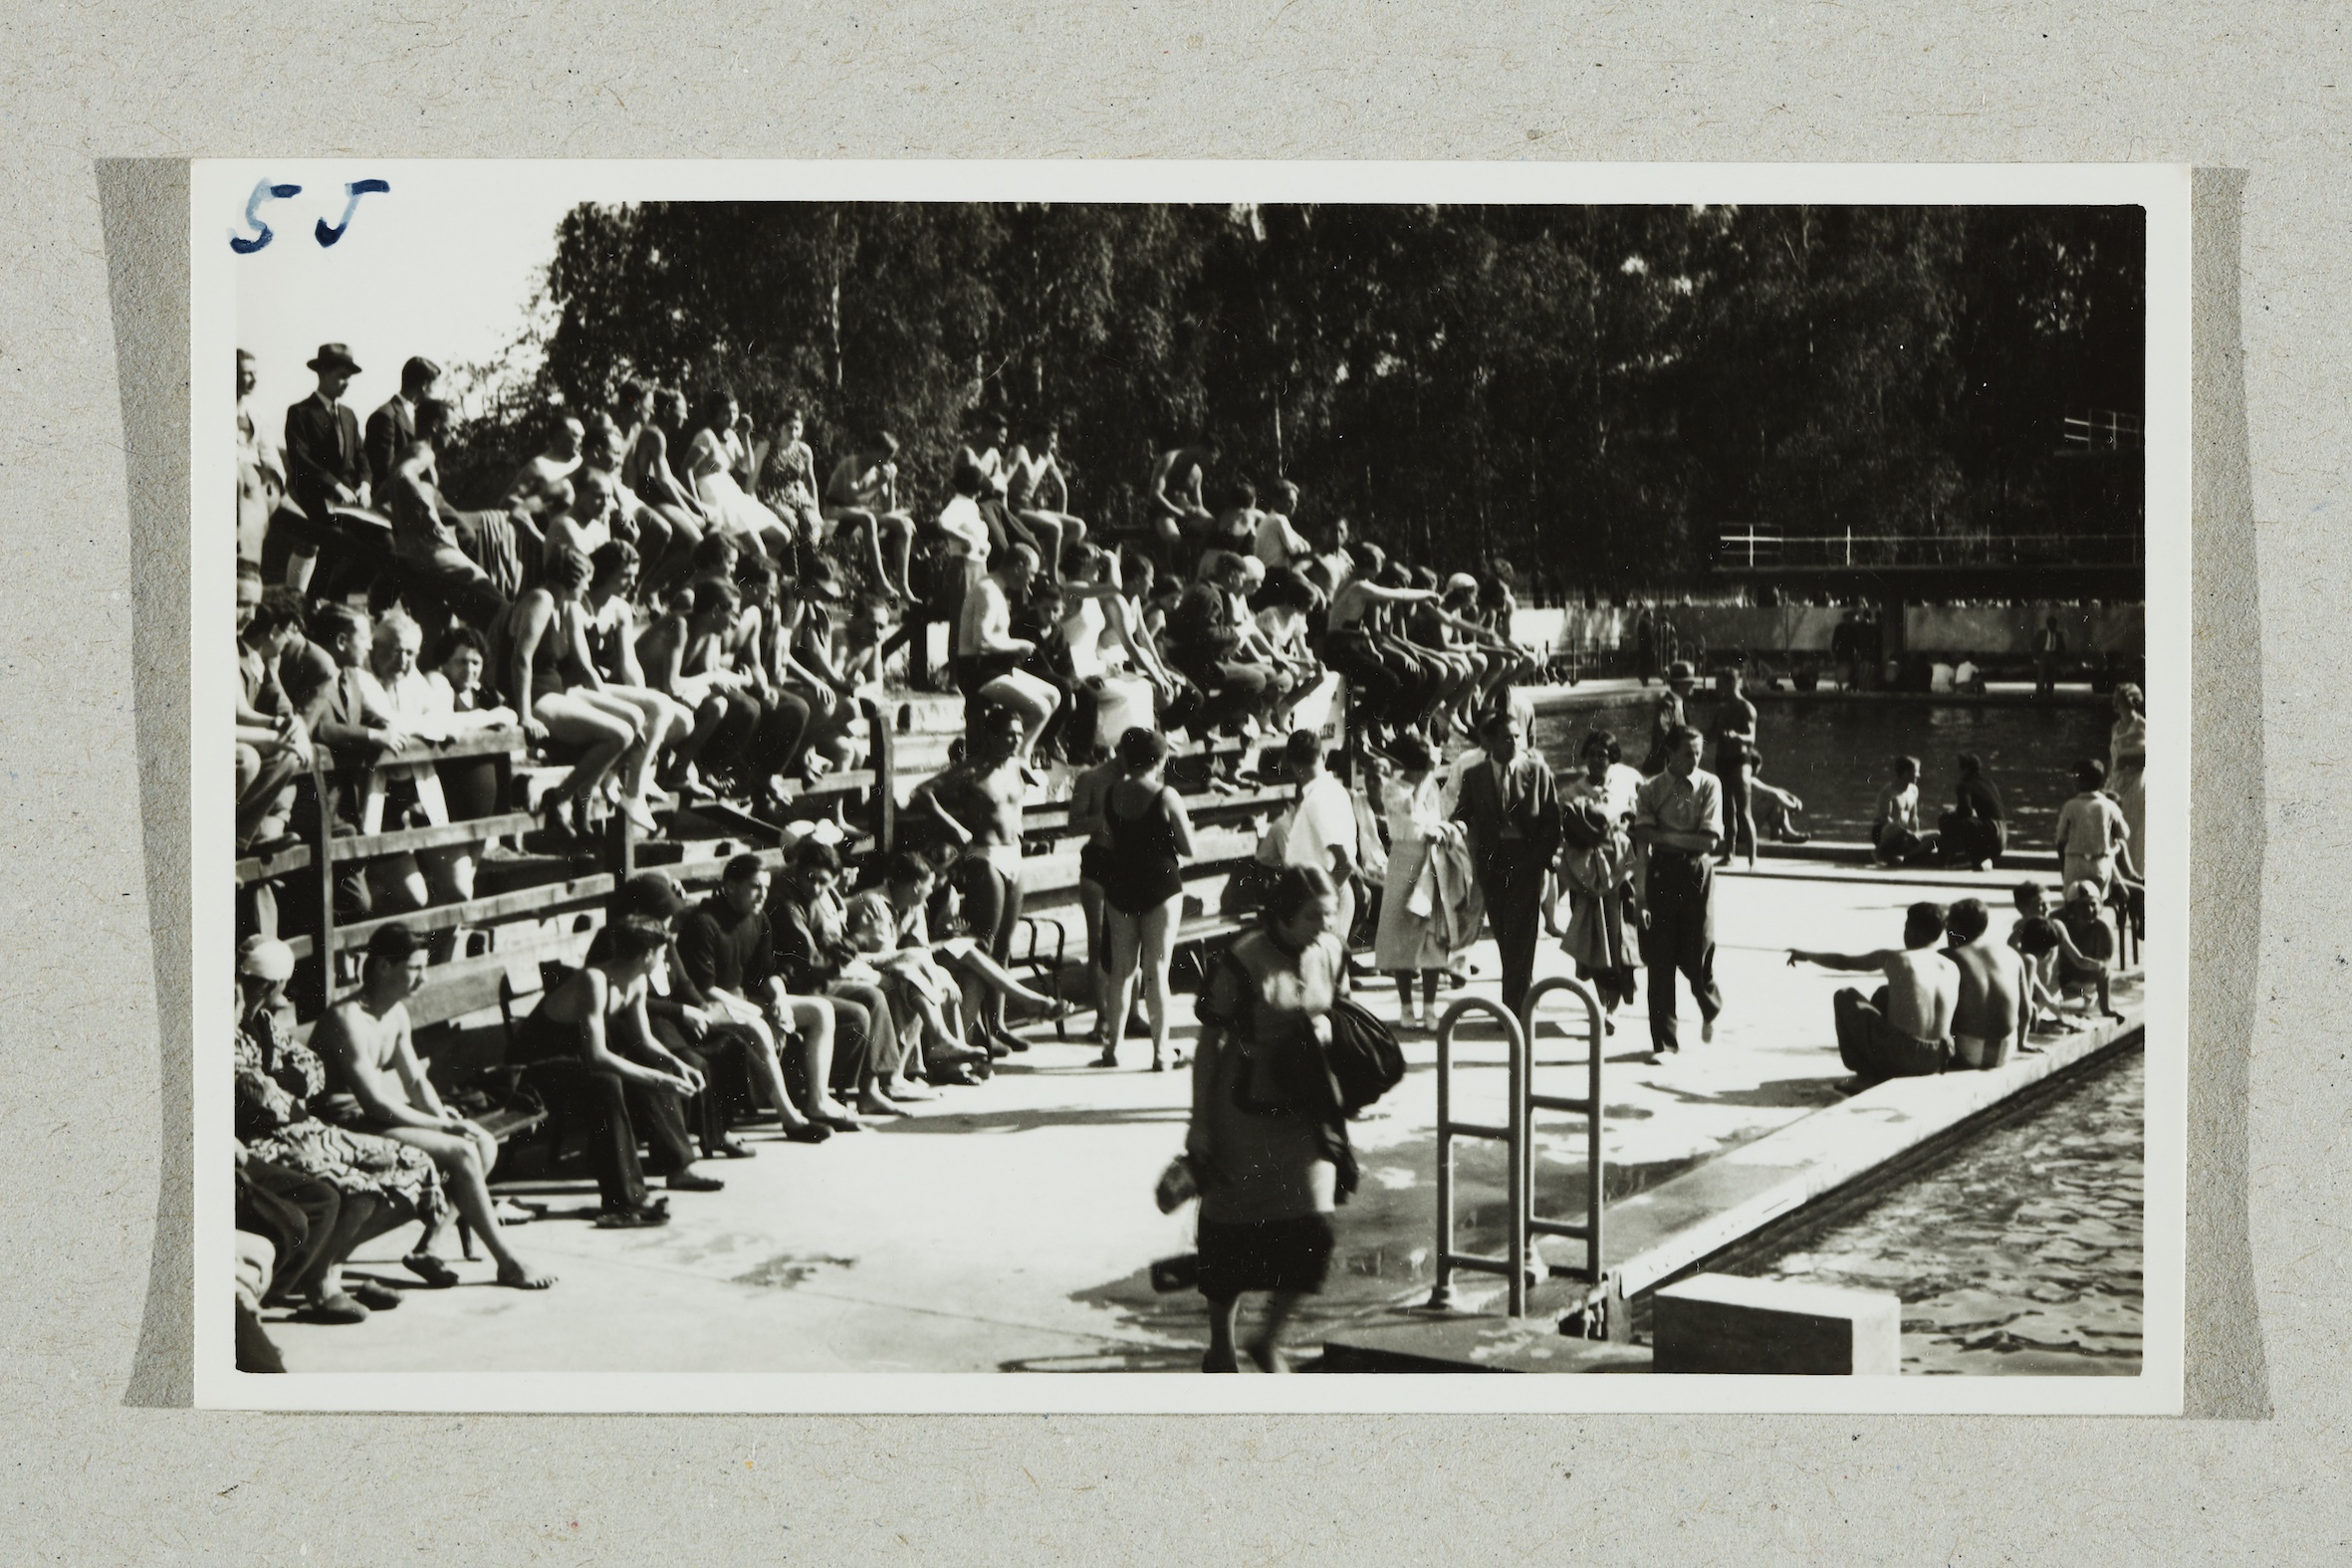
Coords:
pixel 1108 1059
pixel 1007 1039
pixel 632 1218
pixel 694 1182
pixel 730 1149
pixel 375 1297
pixel 806 1132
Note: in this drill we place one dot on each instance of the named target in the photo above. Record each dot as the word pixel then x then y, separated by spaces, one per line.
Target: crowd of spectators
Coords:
pixel 677 604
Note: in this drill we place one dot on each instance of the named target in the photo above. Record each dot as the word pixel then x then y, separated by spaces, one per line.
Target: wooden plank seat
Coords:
pixel 282 862
pixel 531 901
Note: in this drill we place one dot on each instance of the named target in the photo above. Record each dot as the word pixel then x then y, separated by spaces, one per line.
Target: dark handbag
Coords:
pixel 1363 1058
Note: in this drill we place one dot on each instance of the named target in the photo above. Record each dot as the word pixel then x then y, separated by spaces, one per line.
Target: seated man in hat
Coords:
pixel 1904 1029
pixel 326 465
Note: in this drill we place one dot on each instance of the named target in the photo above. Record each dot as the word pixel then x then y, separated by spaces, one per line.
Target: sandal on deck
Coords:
pixel 436 1275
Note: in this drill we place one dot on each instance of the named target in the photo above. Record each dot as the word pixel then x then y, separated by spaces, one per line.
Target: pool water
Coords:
pixel 1834 755
pixel 2022 1254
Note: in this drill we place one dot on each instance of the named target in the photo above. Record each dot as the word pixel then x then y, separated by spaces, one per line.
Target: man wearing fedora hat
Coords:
pixel 325 463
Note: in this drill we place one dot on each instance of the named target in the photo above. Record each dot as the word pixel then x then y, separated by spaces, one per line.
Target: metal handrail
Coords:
pixel 1589 1107
pixel 1513 1265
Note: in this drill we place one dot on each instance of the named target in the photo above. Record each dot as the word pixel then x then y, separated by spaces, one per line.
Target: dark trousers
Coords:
pixel 597 1105
pixel 705 1115
pixel 1377 687
pixel 1232 690
pixel 673 1121
pixel 1511 881
pixel 1739 806
pixel 1681 936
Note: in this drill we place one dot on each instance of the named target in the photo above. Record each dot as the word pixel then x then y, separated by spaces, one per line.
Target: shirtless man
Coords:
pixel 1994 1006
pixel 1038 496
pixel 366 1042
pixel 1172 498
pixel 533 487
pixel 646 471
pixel 863 492
pixel 1905 1029
pixel 977 805
pixel 1277 543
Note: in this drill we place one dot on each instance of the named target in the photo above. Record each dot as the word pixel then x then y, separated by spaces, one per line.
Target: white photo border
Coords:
pixel 218 190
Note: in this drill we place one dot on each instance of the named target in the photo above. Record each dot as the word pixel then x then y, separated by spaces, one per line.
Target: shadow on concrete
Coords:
pixel 1031 1121
pixel 1773 1094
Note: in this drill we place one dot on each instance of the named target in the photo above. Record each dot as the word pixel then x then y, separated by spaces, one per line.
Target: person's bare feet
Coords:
pixel 904 1088
pixel 875 1102
pixel 518 1275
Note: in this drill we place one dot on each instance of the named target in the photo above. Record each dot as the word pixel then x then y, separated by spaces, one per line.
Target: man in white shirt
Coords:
pixel 1280 545
pixel 1322 823
pixel 1678 821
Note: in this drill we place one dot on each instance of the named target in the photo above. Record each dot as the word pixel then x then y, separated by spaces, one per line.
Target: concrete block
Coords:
pixel 1718 1323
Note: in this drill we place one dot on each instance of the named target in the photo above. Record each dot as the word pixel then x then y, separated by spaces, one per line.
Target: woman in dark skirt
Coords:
pixel 1260 1143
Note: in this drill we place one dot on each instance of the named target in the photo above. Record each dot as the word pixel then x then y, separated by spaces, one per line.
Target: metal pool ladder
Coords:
pixel 1519 1261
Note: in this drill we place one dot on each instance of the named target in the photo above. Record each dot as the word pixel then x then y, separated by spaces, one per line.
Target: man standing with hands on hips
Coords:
pixel 1678 821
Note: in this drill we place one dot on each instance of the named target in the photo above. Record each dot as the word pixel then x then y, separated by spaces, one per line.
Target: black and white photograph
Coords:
pixel 1047 787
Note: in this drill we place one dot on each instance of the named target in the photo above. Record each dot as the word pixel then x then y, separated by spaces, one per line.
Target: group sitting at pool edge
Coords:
pixel 1973 1000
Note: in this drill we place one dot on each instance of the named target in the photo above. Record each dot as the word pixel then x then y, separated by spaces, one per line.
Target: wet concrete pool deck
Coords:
pixel 1011 1227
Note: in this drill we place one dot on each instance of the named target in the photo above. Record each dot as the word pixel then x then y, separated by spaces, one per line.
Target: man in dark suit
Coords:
pixel 393 427
pixel 1510 810
pixel 325 465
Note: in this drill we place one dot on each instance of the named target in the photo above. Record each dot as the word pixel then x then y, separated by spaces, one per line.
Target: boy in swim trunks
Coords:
pixel 1904 1030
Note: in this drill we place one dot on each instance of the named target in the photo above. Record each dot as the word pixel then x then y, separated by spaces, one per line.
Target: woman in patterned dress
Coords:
pixel 383 1183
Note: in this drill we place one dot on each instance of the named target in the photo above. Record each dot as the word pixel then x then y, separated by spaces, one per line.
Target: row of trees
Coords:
pixel 1588 392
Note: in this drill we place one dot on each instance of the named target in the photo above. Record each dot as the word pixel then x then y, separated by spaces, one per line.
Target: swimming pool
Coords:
pixel 1834 755
pixel 2019 1254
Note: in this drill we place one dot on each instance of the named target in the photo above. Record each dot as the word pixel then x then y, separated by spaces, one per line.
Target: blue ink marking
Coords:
pixel 262 192
pixel 354 190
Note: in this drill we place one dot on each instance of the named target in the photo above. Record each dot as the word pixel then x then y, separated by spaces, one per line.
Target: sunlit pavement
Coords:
pixel 1011 1226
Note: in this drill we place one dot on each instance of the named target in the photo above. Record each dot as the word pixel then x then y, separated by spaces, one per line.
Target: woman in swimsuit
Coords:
pixel 1142 886
pixel 612 649
pixel 551 682
pixel 2127 764
pixel 714 458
